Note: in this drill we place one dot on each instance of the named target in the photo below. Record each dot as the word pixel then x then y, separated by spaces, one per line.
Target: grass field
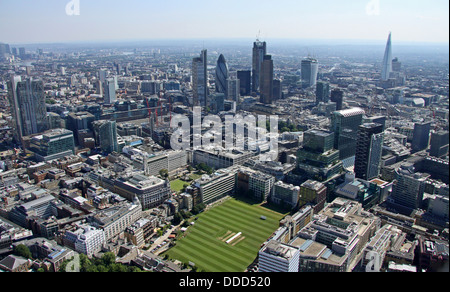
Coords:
pixel 205 242
pixel 177 185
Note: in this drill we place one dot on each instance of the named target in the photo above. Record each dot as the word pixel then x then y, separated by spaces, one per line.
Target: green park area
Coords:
pixel 226 238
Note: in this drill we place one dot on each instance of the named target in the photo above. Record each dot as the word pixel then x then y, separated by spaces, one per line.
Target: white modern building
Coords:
pixel 278 257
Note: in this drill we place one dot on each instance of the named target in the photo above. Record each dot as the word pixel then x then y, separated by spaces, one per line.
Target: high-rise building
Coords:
pixel 409 187
pixel 106 136
pixel 322 92
pixel 421 136
pixel 369 148
pixel 309 71
pixel 245 81
pixel 337 96
pixel 200 79
pixel 439 144
pixel 259 51
pixel 222 75
pixel 53 144
pixel 110 91
pixel 79 121
pixel 233 89
pixel 266 80
pixel 277 89
pixel 396 65
pixel 318 159
pixel 28 108
pixel 345 125
pixel 387 61
pixel 5 50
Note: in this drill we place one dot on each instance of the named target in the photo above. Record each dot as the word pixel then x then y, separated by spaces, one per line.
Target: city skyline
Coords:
pixel 415 21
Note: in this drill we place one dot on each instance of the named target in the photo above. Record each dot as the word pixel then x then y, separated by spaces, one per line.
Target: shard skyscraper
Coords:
pixel 387 61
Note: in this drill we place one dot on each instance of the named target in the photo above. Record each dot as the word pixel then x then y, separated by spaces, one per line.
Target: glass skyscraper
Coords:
pixel 266 80
pixel 387 61
pixel 28 108
pixel 222 75
pixel 345 125
pixel 369 148
pixel 309 71
pixel 200 79
pixel 259 51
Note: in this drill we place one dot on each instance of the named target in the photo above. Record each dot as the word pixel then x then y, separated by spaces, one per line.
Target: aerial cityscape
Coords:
pixel 223 153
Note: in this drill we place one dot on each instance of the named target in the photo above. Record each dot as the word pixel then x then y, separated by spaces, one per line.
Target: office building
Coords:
pixel 214 187
pixel 86 239
pixel 285 194
pixel 318 159
pixel 386 68
pixel 314 193
pixel 259 51
pixel 369 147
pixel 200 79
pixel 334 240
pixel 27 100
pixel 106 136
pixel 368 193
pixel 245 82
pixel 255 184
pixel 277 89
pixel 40 207
pixel 53 144
pixel 233 89
pixel 222 75
pixel 116 219
pixel 79 121
pixel 337 96
pixel 151 191
pixel 217 102
pixel 170 161
pixel 110 91
pixel 278 257
pixel 322 92
pixel 409 187
pixel 345 125
pixel 439 144
pixel 219 159
pixel 266 80
pixel 421 136
pixel 309 71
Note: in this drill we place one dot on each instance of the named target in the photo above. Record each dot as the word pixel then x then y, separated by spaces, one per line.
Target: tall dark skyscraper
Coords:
pixel 345 125
pixel 200 79
pixel 421 136
pixel 322 92
pixel 259 51
pixel 222 75
pixel 439 143
pixel 245 81
pixel 337 96
pixel 266 80
pixel 28 108
pixel 369 147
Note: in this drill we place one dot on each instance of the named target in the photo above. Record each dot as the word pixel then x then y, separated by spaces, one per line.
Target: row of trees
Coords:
pixel 105 264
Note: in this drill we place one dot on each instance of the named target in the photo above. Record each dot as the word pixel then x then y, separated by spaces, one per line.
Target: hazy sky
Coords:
pixel 44 21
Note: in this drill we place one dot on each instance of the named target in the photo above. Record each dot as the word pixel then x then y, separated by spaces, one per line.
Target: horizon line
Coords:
pixel 124 41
